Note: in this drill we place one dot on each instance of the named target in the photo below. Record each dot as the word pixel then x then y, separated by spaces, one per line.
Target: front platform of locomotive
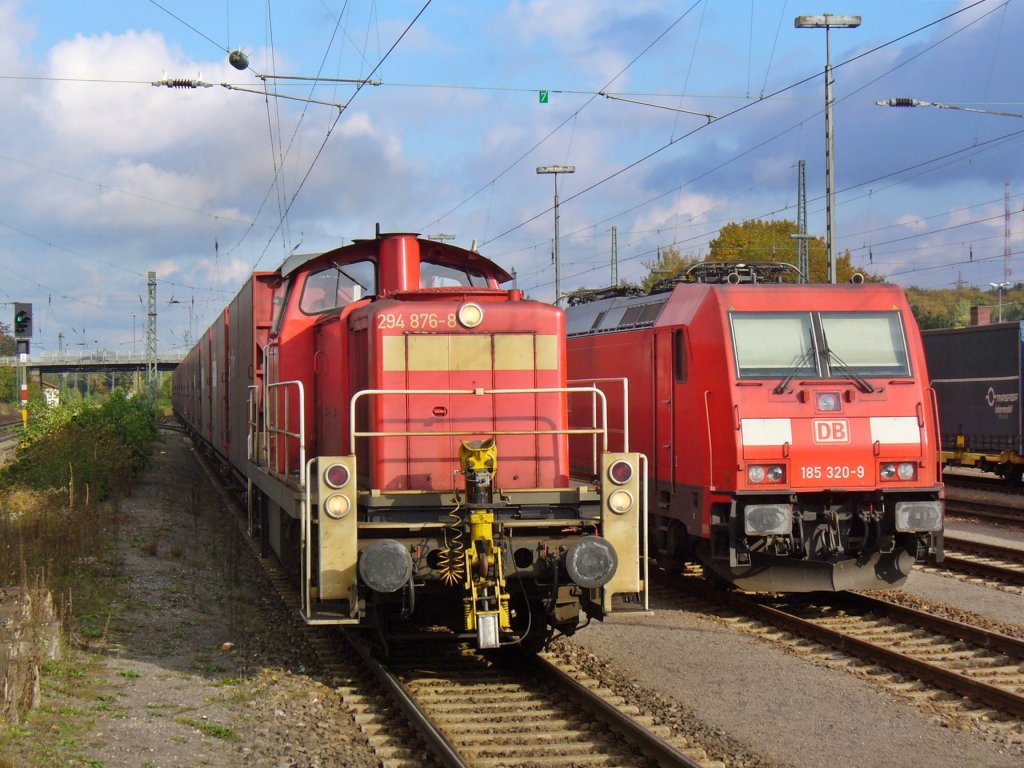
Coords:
pixel 826 472
pixel 444 489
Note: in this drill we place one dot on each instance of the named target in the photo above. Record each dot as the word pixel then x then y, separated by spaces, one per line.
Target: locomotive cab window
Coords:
pixel 819 345
pixel 679 355
pixel 773 344
pixel 338 286
pixel 446 276
pixel 865 343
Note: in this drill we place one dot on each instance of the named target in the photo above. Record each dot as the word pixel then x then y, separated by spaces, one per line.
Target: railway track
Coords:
pixel 982 482
pixel 995 510
pixel 444 704
pixel 8 438
pixel 1004 565
pixel 960 671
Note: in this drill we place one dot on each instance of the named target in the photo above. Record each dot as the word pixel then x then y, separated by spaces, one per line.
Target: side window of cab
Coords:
pixel 337 286
pixel 278 301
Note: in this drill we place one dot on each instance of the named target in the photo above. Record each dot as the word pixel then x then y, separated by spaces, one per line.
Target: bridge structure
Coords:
pixel 100 361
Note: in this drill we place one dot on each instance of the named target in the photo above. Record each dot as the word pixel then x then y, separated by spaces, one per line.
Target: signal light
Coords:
pixel 337 476
pixel 22 320
pixel 620 472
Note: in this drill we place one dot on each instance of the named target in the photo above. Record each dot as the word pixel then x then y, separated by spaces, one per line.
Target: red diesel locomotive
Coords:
pixel 792 432
pixel 400 423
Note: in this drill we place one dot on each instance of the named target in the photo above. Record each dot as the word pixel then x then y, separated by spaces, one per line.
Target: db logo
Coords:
pixel 831 431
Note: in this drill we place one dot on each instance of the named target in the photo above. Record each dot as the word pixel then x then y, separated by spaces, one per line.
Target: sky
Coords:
pixel 426 116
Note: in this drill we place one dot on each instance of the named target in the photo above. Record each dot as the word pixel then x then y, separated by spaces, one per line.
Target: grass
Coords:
pixel 58 529
pixel 207 728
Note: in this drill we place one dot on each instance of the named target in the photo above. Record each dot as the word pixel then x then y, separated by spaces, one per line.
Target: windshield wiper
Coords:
pixel 780 388
pixel 346 274
pixel 836 362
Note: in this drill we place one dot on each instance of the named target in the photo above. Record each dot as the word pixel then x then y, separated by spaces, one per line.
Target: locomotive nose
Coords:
pixel 591 561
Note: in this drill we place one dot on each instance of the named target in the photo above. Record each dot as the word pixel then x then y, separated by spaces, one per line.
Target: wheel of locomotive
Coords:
pixel 680 548
pixel 702 554
pixel 1013 474
pixel 716 581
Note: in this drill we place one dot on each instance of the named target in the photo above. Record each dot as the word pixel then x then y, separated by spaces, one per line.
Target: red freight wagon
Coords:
pixel 791 428
pixel 401 425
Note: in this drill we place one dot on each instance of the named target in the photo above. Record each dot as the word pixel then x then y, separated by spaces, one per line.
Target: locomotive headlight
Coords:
pixel 775 474
pixel 620 501
pixel 337 476
pixel 906 471
pixel 755 473
pixel 336 506
pixel 470 315
pixel 768 519
pixel 621 472
pixel 828 402
pixel 918 516
pixel 887 471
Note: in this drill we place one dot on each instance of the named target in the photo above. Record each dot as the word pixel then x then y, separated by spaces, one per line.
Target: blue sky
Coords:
pixel 104 177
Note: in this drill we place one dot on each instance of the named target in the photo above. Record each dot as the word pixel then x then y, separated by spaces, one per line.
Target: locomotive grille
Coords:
pixel 429 366
pixel 470 352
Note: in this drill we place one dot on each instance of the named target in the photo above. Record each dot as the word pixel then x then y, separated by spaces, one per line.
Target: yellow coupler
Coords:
pixel 486 602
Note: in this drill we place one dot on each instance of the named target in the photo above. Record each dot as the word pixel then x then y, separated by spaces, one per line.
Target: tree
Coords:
pixel 758 240
pixel 668 264
pixel 8 346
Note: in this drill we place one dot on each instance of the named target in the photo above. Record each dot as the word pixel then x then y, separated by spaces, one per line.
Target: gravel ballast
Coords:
pixel 201 665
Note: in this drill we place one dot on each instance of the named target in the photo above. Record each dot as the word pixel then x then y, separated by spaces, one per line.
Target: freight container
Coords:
pixel 976 374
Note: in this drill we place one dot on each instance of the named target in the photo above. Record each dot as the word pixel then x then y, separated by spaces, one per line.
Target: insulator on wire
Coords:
pixel 181 82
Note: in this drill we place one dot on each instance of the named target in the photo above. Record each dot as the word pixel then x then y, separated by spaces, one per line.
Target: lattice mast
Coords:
pixel 615 256
pixel 151 339
pixel 1007 269
pixel 801 222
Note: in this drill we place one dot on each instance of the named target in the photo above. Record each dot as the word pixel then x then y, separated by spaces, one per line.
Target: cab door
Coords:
pixel 664 411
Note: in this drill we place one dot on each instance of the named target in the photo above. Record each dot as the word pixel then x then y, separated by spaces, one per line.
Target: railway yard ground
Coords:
pixel 198 663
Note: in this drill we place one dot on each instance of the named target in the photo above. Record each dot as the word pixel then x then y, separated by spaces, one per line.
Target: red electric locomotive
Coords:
pixel 791 428
pixel 401 425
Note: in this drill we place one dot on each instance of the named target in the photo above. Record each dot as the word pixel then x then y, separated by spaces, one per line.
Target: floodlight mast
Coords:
pixel 555 170
pixel 828 21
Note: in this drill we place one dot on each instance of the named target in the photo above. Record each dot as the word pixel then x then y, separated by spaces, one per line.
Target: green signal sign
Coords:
pixel 542 97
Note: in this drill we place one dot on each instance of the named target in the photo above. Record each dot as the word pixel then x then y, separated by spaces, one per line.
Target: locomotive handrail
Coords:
pixel 353 433
pixel 625 414
pixel 645 527
pixel 253 423
pixel 306 534
pixel 711 450
pixel 625 403
pixel 277 430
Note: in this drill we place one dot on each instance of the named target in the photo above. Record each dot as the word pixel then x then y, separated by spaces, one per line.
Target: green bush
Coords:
pixel 84 448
